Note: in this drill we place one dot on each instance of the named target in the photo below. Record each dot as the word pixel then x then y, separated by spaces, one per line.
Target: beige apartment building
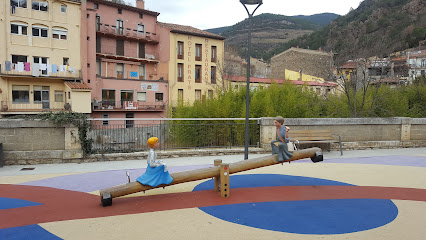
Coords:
pixel 40 60
pixel 194 61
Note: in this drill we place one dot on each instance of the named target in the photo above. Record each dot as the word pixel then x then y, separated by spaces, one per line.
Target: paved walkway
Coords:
pixel 368 194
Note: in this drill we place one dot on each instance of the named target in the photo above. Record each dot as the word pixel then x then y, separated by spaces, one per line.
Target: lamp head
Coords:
pixel 251 2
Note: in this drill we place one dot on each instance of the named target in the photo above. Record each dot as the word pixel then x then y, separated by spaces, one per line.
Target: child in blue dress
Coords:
pixel 156 172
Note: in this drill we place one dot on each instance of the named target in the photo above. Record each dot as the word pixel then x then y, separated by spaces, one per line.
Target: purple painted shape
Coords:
pixel 92 181
pixel 410 161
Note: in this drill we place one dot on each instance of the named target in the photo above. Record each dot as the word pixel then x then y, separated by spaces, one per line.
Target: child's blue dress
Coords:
pixel 156 172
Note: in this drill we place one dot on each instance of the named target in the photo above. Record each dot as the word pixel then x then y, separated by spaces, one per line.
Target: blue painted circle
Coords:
pixel 331 216
pixel 8 203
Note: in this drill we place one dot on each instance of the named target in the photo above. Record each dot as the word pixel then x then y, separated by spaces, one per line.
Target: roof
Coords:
pixel 308 51
pixel 349 65
pixel 127 7
pixel 78 86
pixel 175 28
pixel 279 81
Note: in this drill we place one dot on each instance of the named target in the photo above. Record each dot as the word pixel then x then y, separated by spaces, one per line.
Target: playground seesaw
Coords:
pixel 220 172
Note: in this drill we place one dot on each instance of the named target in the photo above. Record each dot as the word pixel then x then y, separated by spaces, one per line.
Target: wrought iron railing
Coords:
pixel 131 135
pixel 12 106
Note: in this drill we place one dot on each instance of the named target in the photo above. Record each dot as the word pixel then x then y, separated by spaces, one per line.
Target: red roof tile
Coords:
pixel 280 81
pixel 175 28
pixel 76 85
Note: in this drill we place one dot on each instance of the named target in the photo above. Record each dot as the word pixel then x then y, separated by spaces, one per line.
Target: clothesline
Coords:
pixel 37 67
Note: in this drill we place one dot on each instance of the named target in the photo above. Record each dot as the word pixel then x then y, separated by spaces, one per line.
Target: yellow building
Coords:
pixel 298 76
pixel 39 55
pixel 194 61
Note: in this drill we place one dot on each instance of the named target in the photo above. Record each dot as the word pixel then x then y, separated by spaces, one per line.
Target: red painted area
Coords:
pixel 60 205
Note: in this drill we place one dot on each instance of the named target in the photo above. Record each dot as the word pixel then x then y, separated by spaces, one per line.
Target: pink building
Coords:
pixel 120 58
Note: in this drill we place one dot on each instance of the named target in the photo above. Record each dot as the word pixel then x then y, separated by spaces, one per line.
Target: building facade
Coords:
pixel 193 60
pixel 39 55
pixel 321 88
pixel 121 61
pixel 310 62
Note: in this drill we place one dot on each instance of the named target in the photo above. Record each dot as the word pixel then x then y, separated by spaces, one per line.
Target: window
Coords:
pixel 180 95
pixel 39 6
pixel 98 22
pixel 213 53
pixel 19 58
pixel 180 72
pixel 98 67
pixel 20 94
pixel 140 15
pixel 98 44
pixel 119 11
pixel 65 61
pixel 180 50
pixel 213 75
pixel 141 50
pixel 119 68
pixel 126 95
pixel 105 122
pixel 119 50
pixel 40 31
pixel 141 96
pixel 108 97
pixel 130 123
pixel 59 96
pixel 198 73
pixel 42 61
pixel 60 34
pixel 95 6
pixel 197 94
pixel 198 52
pixel 159 97
pixel 19 29
pixel 120 26
pixel 210 94
pixel 141 29
pixel 63 8
pixel 141 71
pixel 19 3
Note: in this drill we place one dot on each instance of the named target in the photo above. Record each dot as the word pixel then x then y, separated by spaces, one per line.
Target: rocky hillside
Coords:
pixel 270 31
pixel 375 28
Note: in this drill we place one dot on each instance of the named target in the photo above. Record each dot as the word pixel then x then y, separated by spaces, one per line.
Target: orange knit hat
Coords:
pixel 152 141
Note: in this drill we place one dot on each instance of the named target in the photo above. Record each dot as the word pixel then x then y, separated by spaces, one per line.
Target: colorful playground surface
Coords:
pixel 370 194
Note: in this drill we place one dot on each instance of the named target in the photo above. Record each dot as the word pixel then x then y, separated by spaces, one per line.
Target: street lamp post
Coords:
pixel 250 15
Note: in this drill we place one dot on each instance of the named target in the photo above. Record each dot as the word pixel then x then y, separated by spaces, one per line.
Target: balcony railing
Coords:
pixel 129 106
pixel 33 106
pixel 148 58
pixel 113 30
pixel 61 72
pixel 135 75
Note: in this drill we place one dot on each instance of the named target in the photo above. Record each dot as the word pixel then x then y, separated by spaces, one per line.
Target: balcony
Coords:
pixel 67 72
pixel 107 106
pixel 10 107
pixel 149 58
pixel 126 33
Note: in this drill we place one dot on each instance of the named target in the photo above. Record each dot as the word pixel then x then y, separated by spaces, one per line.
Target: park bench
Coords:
pixel 313 137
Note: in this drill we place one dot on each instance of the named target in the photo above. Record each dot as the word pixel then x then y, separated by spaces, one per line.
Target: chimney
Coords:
pixel 320 49
pixel 140 4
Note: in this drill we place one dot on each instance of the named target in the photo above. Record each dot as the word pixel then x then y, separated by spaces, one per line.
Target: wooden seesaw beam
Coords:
pixel 198 174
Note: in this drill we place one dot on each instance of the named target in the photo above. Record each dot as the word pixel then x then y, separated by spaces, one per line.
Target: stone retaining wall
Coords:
pixel 37 142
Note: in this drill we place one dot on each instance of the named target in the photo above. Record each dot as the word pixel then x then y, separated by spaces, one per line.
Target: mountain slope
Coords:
pixel 321 19
pixel 375 28
pixel 269 31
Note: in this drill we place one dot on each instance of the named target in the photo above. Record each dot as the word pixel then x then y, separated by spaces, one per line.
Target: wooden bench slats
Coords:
pixel 312 131
pixel 314 136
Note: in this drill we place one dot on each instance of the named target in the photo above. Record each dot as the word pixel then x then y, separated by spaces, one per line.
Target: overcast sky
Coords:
pixel 205 14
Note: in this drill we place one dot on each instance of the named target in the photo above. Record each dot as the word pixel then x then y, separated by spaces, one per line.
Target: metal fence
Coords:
pixel 131 135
